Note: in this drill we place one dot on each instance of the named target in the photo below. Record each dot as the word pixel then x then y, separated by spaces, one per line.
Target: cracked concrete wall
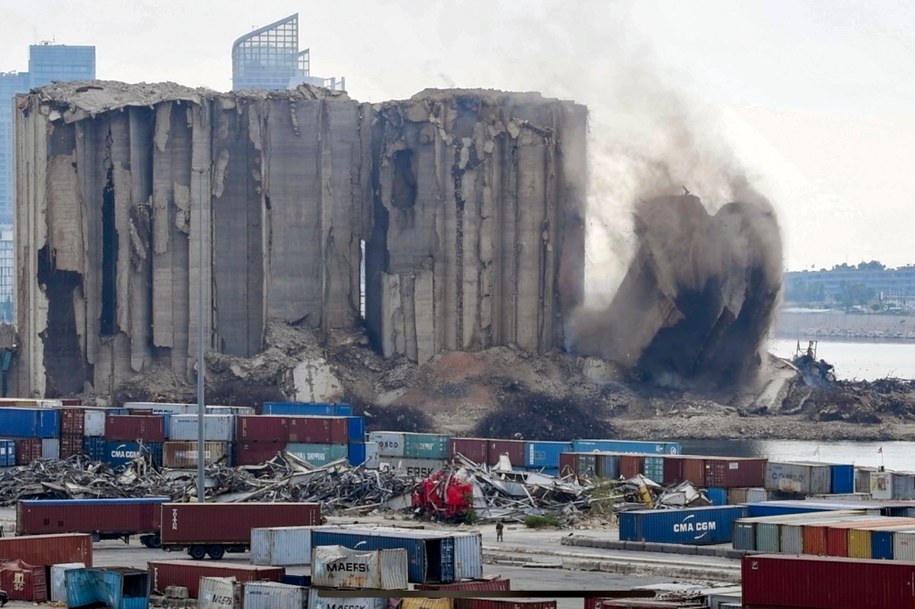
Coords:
pixel 469 204
pixel 479 231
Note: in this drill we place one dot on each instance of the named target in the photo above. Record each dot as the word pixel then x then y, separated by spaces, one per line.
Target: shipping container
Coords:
pixel 355 429
pixel 579 464
pixel 72 422
pixel 903 485
pixel 219 593
pixel 130 428
pixel 272 595
pixel 317 600
pixel 7 453
pixel 631 465
pixel 904 545
pixel 118 454
pixel 881 485
pixel 317 430
pixel 416 468
pixel 308 409
pixel 843 478
pixel 627 446
pixel 281 546
pixel 318 454
pixel 187 573
pixel 426 446
pixel 426 603
pixel 816 538
pixel 718 496
pixel 503 603
pixel 255 453
pixel 841 583
pixel 183 455
pixel 50 448
pixel 694 526
pixel 837 534
pixel 216 427
pixel 860 539
pixel 176 408
pixel 262 428
pixel 363 454
pixel 791 533
pixel 475 449
pixel 489 584
pixel 390 443
pixel 30 422
pixel 114 587
pixel 863 479
pixel 214 528
pixel 544 454
pixel 782 508
pixel 608 466
pixel 798 477
pixel 23 582
pixel 57 591
pixel 514 449
pixel 47 550
pixel 30 403
pixel 94 448
pixel 653 468
pixel 684 469
pixel 341 567
pixel 70 446
pixel 101 518
pixel 435 556
pixel 735 472
pixel 28 450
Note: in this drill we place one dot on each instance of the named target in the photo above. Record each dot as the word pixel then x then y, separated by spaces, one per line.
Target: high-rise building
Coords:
pixel 47 63
pixel 269 58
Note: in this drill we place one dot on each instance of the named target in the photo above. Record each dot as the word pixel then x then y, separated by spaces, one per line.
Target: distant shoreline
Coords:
pixel 838 325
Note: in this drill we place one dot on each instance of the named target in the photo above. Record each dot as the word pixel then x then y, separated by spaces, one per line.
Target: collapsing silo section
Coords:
pixel 478 234
pixel 114 183
pixel 698 299
pixel 468 203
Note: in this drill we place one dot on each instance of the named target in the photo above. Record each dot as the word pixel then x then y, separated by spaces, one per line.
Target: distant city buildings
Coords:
pixel 47 63
pixel 269 58
pixel 868 285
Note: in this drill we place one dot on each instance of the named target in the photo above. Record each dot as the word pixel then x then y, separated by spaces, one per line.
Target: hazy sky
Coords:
pixel 815 100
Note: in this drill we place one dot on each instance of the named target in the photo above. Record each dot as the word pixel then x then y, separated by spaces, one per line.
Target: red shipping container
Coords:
pixel 72 421
pixel 70 445
pixel 513 448
pixel 207 523
pixel 255 453
pixel 262 428
pixel 116 516
pixel 27 450
pixel 826 583
pixel 733 472
pixel 129 428
pixel 490 584
pixel 475 449
pixel 71 402
pixel 631 465
pixel 187 573
pixel 318 430
pixel 837 535
pixel 47 550
pixel 503 603
pixel 24 582
pixel 681 469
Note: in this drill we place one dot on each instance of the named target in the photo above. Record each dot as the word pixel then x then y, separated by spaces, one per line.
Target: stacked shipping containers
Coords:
pixel 130 436
pixel 36 432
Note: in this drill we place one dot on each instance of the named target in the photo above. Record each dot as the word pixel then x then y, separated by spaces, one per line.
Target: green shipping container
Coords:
pixel 654 469
pixel 318 454
pixel 426 445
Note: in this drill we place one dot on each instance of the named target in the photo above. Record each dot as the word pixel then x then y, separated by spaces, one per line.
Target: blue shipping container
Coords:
pixel 355 454
pixel 296 580
pixel 783 508
pixel 432 556
pixel 544 454
pixel 718 496
pixel 117 587
pixel 308 409
pixel 691 526
pixel 7 453
pixel 94 447
pixel 882 545
pixel 30 422
pixel 355 429
pixel 843 479
pixel 122 453
pixel 627 446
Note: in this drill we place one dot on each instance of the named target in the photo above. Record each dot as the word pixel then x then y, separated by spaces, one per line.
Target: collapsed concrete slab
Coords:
pixel 135 202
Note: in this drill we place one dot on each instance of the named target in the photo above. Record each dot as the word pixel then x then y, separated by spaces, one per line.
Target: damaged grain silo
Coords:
pixel 469 205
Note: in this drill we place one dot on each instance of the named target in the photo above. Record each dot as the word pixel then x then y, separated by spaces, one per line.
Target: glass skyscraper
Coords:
pixel 269 58
pixel 47 63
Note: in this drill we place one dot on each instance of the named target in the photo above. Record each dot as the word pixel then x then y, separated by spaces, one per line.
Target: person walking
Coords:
pixel 499 528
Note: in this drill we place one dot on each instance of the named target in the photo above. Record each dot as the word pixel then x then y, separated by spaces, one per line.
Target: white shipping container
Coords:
pixel 372 457
pixel 58 590
pixel 881 485
pixel 417 468
pixel 281 546
pixel 219 593
pixel 173 408
pixel 340 567
pixel 271 595
pixel 94 422
pixel 904 545
pixel 390 443
pixel 216 427
pixel 317 601
pixel 50 448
